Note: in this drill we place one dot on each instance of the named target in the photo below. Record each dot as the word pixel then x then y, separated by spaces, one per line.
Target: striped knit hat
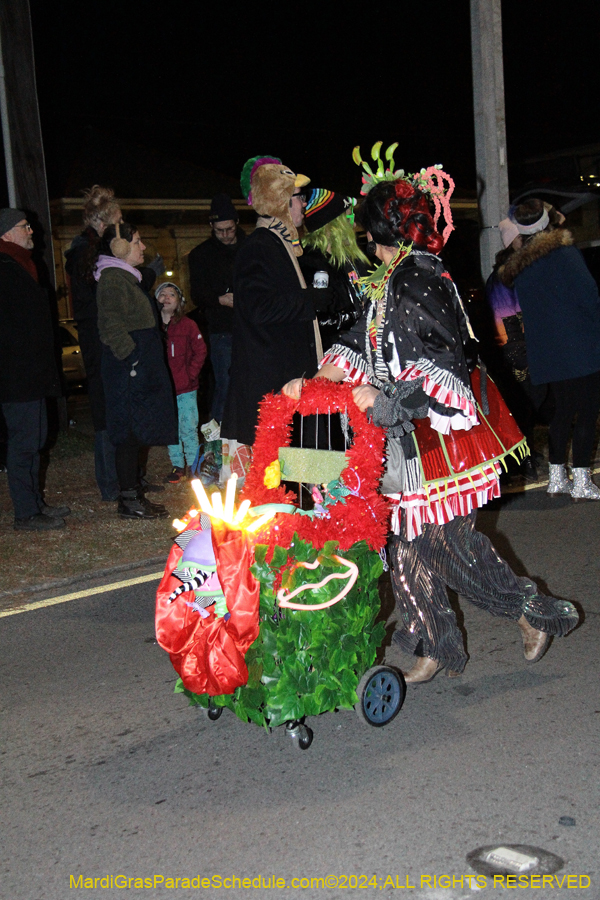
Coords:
pixel 325 206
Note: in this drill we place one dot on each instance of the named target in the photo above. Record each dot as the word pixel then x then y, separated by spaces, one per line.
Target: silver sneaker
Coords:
pixel 583 486
pixel 558 480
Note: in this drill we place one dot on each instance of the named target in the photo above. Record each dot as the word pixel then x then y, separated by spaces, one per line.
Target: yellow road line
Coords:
pixel 53 601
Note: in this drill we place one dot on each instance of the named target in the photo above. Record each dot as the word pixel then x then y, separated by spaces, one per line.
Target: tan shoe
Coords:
pixel 535 643
pixel 423 670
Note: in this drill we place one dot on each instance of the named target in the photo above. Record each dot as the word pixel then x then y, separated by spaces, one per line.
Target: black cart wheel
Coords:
pixel 301 734
pixel 214 712
pixel 306 738
pixel 381 692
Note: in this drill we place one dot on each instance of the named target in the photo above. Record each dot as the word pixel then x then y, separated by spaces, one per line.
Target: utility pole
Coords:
pixel 490 125
pixel 21 127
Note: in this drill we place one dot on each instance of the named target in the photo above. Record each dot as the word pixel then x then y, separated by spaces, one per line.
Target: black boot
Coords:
pixel 148 487
pixel 133 505
pixel 529 469
pixel 158 508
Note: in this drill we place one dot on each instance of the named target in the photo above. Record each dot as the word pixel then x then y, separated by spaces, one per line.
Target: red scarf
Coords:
pixel 20 255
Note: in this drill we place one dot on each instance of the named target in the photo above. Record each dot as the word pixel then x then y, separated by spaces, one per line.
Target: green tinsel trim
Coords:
pixel 374 284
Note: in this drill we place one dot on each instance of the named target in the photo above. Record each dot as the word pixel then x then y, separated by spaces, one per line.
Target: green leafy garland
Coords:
pixel 304 663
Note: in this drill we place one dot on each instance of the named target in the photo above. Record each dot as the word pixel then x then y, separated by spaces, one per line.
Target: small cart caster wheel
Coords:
pixel 306 738
pixel 381 692
pixel 214 712
pixel 301 734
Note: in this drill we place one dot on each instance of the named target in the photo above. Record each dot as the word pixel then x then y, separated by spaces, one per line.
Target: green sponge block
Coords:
pixel 311 466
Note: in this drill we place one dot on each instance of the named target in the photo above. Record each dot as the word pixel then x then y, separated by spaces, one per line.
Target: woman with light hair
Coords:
pixel 100 210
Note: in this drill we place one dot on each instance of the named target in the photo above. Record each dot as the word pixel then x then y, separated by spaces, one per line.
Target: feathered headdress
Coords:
pixel 430 181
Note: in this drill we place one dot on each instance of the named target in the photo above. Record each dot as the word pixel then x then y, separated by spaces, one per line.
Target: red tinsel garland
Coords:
pixel 361 517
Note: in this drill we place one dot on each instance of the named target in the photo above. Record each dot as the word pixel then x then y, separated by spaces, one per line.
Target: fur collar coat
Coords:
pixel 560 304
pixel 537 248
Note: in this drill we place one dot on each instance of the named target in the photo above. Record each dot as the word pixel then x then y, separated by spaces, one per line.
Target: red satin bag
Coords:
pixel 209 653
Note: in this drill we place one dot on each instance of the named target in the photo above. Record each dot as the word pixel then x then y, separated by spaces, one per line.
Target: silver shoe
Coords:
pixel 558 480
pixel 583 485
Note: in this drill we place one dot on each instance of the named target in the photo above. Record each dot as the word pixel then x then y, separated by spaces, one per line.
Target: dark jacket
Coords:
pixel 83 292
pixel 211 275
pixel 345 307
pixel 560 304
pixel 424 323
pixel 186 352
pixel 139 395
pixel 85 313
pixel 424 328
pixel 273 335
pixel 28 368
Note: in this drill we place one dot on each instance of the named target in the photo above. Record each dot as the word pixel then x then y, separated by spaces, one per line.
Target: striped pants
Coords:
pixel 455 555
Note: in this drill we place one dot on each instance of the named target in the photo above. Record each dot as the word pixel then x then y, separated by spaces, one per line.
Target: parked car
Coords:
pixel 72 360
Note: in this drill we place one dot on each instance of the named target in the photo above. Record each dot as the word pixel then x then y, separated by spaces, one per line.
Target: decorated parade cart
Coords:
pixel 270 609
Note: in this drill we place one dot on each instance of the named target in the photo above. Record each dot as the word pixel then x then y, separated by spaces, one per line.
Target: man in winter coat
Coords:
pixel 211 283
pixel 28 374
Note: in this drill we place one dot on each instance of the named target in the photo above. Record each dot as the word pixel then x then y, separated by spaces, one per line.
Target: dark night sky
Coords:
pixel 201 84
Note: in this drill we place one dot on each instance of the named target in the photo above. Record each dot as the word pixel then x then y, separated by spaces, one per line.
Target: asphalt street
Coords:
pixel 105 772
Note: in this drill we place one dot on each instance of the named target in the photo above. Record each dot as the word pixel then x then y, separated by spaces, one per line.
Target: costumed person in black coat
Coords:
pixel 100 210
pixel 561 316
pixel 211 288
pixel 140 408
pixel 330 247
pixel 275 333
pixel 28 373
pixel 406 357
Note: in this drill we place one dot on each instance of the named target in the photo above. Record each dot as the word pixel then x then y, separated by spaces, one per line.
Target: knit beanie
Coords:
pixel 323 207
pixel 9 218
pixel 222 209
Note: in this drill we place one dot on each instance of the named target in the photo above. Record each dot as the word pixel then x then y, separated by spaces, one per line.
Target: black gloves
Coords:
pixel 341 321
pixel 397 404
pixel 157 265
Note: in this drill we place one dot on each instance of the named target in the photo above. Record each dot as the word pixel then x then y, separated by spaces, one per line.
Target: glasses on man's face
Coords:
pixel 300 196
pixel 24 225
